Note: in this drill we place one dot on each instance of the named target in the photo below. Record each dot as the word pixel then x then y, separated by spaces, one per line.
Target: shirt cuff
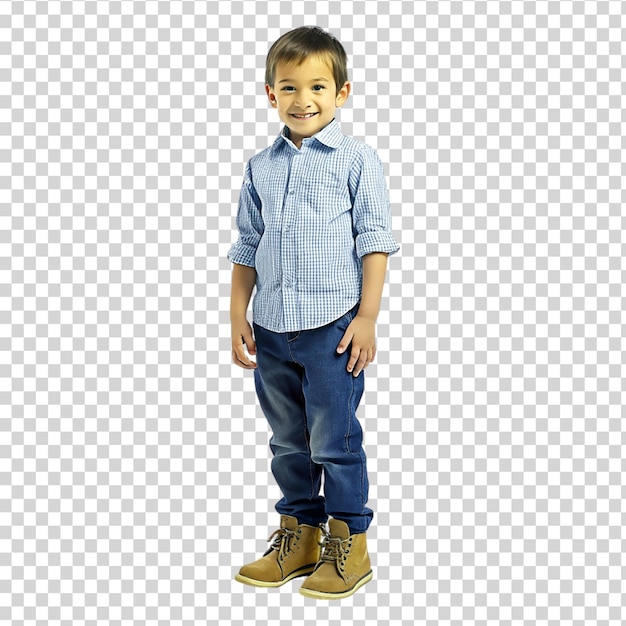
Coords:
pixel 242 254
pixel 376 241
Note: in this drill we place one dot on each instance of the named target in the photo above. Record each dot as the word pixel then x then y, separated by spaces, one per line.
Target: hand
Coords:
pixel 241 335
pixel 361 333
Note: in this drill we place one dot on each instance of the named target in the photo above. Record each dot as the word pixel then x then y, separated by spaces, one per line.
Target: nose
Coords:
pixel 300 105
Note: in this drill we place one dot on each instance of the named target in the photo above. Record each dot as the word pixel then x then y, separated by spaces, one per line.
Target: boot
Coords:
pixel 344 567
pixel 294 552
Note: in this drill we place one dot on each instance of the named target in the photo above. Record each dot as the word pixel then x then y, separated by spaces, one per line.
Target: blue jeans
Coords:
pixel 310 401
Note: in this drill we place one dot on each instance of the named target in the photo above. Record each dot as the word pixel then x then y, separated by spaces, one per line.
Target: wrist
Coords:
pixel 367 312
pixel 366 318
pixel 238 316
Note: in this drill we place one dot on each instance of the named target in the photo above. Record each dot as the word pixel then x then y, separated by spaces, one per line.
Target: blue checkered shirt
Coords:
pixel 305 219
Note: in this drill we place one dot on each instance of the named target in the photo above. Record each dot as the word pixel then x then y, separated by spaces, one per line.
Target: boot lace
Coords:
pixel 335 550
pixel 283 540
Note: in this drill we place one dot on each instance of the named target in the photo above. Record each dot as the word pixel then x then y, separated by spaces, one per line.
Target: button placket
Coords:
pixel 288 234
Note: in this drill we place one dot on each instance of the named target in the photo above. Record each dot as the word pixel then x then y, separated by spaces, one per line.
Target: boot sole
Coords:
pixel 326 595
pixel 305 571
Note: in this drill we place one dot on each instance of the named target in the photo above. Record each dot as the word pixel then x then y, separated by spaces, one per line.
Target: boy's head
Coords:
pixel 306 79
pixel 301 43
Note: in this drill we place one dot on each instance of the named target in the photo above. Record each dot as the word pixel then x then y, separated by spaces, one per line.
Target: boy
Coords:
pixel 314 236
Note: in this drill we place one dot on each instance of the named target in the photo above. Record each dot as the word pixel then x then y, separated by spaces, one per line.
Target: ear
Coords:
pixel 342 94
pixel 270 94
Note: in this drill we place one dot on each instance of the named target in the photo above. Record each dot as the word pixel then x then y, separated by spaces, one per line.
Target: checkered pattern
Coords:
pixel 302 216
pixel 134 467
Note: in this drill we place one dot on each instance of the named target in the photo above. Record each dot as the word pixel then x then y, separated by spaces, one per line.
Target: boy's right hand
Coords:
pixel 241 336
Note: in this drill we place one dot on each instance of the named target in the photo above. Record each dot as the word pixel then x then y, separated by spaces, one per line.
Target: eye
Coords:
pixel 287 88
pixel 318 87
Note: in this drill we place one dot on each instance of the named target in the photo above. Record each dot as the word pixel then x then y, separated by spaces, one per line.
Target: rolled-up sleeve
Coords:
pixel 249 224
pixel 371 211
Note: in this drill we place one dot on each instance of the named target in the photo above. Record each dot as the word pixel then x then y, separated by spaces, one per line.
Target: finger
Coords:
pixel 250 345
pixel 371 353
pixel 240 358
pixel 354 357
pixel 342 346
pixel 362 363
pixel 247 338
pixel 247 365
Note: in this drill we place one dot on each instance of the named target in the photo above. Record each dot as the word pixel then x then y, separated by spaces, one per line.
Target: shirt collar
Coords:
pixel 330 135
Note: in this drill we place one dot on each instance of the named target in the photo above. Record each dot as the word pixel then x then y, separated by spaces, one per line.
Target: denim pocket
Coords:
pixel 344 321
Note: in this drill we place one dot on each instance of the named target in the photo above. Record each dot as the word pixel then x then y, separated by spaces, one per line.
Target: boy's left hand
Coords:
pixel 362 334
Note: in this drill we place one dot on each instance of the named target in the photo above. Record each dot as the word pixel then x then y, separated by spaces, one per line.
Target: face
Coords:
pixel 306 96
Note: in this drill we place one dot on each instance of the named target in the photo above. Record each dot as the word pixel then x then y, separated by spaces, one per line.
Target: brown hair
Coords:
pixel 296 45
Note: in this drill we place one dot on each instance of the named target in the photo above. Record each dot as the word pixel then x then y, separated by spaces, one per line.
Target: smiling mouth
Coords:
pixel 306 116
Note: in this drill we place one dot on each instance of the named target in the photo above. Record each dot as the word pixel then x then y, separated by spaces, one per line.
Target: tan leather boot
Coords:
pixel 294 552
pixel 344 567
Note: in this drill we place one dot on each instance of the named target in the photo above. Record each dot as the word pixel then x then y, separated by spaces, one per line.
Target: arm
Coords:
pixel 374 242
pixel 243 280
pixel 374 270
pixel 242 254
pixel 361 333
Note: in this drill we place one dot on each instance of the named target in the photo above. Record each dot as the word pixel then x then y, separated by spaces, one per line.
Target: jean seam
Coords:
pixel 349 413
pixel 289 341
pixel 363 501
pixel 308 446
pixel 296 336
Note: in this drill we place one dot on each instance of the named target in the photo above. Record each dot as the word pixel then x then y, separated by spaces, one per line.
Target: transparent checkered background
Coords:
pixel 134 460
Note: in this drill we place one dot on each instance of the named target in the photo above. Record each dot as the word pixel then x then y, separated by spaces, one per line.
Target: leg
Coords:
pixel 278 382
pixel 332 396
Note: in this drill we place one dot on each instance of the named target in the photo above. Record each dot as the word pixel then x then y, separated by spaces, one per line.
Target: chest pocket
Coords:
pixel 327 193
